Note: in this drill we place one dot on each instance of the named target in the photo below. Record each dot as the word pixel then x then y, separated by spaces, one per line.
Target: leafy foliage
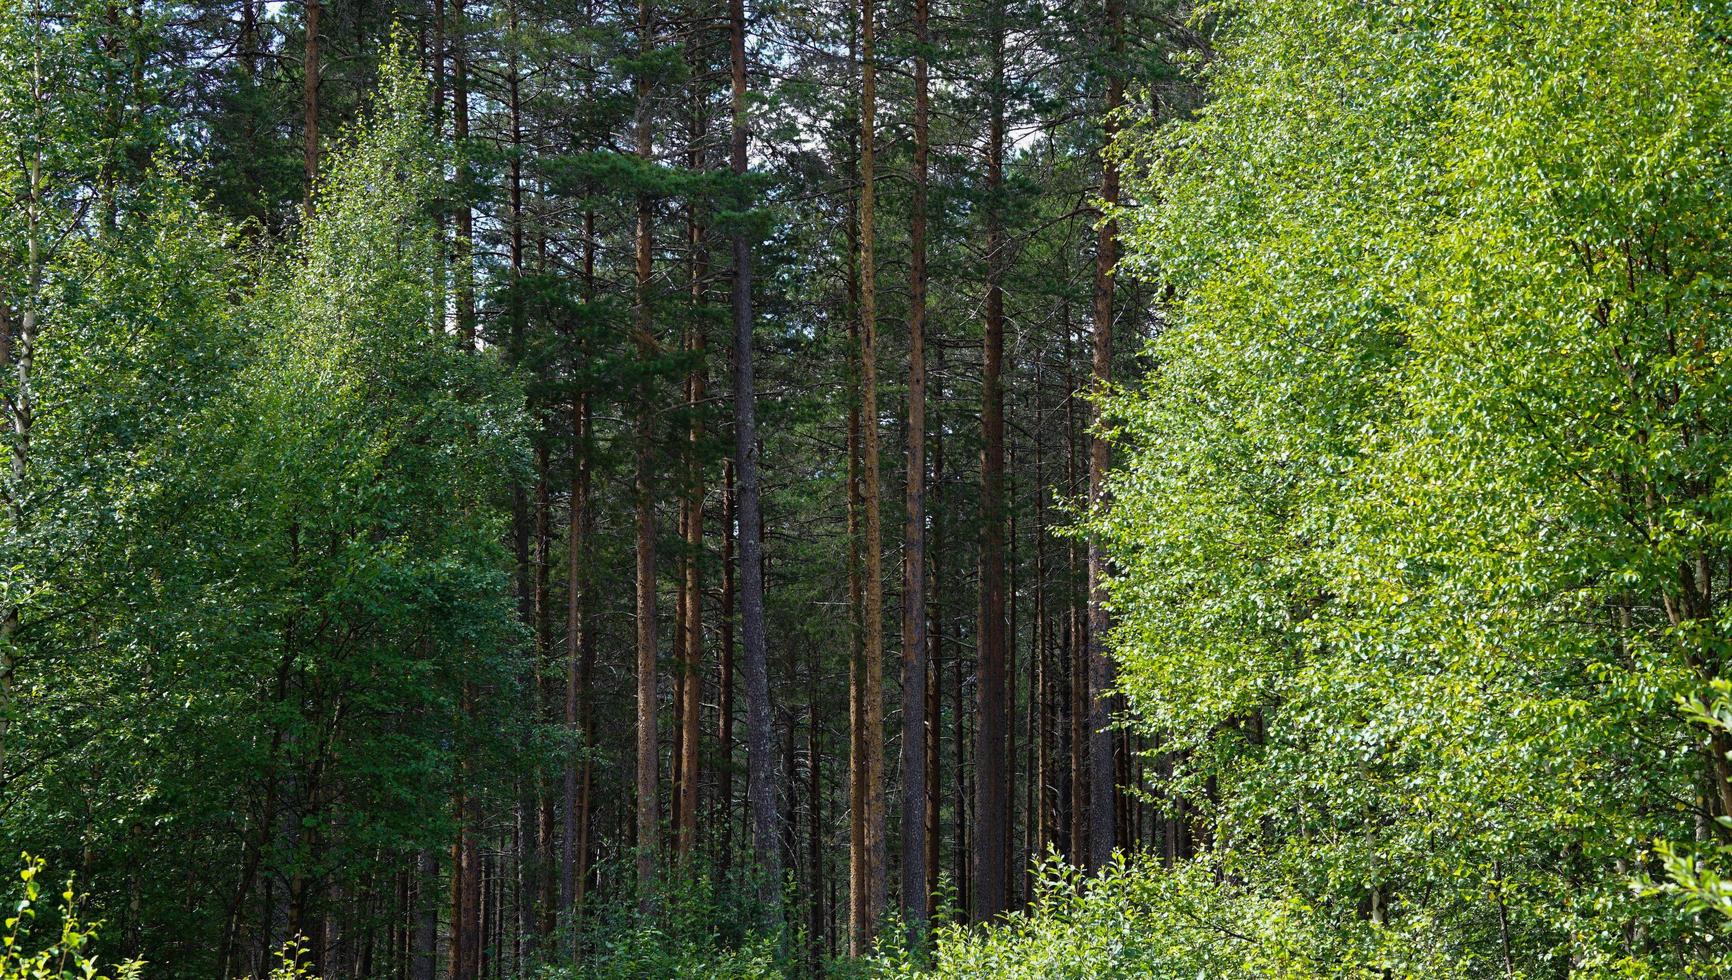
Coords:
pixel 1422 529
pixel 266 553
pixel 1699 876
pixel 67 956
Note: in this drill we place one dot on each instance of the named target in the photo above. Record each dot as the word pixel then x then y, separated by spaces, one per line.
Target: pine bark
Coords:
pixel 467 926
pixel 725 684
pixel 1075 694
pixel 915 718
pixel 761 776
pixel 648 801
pixel 1100 666
pixel 575 817
pixel 463 247
pixel 858 787
pixel 873 547
pixel 991 834
pixel 424 931
pixel 692 644
pixel 576 568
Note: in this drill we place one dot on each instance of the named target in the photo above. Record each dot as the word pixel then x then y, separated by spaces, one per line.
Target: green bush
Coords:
pixel 1139 919
pixel 67 955
pixel 697 931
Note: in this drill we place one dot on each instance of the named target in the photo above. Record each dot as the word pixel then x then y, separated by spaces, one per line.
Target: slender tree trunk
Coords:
pixel 1030 851
pixel 935 695
pixel 487 914
pixel 537 907
pixel 577 544
pixel 692 596
pixel 1076 673
pixel 1100 665
pixel 469 927
pixel 466 924
pixel 873 545
pixel 648 819
pixel 438 67
pixel 1041 712
pixel 575 818
pixel 761 776
pixel 463 247
pixel 1010 679
pixel 991 791
pixel 725 684
pixel 310 102
pixel 249 39
pixel 676 765
pixel 934 684
pixel 20 356
pixel 858 786
pixel 915 720
pixel 960 844
pixel 586 780
pixel 815 837
pixel 423 950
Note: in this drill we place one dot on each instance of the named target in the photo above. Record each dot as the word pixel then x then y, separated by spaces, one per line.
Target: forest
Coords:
pixel 566 489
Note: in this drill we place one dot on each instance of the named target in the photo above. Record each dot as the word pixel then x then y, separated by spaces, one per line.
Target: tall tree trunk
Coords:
pixel 466 926
pixel 692 647
pixel 934 714
pixel 915 718
pixel 19 354
pixel 488 913
pixel 761 775
pixel 537 908
pixel 463 247
pixel 858 787
pixel 958 714
pixel 991 837
pixel 676 741
pixel 1010 678
pixel 873 610
pixel 935 646
pixel 1040 776
pixel 310 102
pixel 249 39
pixel 1100 665
pixel 576 545
pixel 576 606
pixel 648 818
pixel 725 685
pixel 423 943
pixel 1075 672
pixel 815 838
pixel 692 595
pixel 467 863
pixel 438 68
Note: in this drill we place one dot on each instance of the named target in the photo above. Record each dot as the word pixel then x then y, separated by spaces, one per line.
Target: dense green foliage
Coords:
pixel 257 481
pixel 1423 526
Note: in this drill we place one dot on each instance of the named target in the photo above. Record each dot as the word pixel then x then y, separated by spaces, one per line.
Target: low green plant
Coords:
pixel 698 930
pixel 1137 919
pixel 293 962
pixel 68 955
